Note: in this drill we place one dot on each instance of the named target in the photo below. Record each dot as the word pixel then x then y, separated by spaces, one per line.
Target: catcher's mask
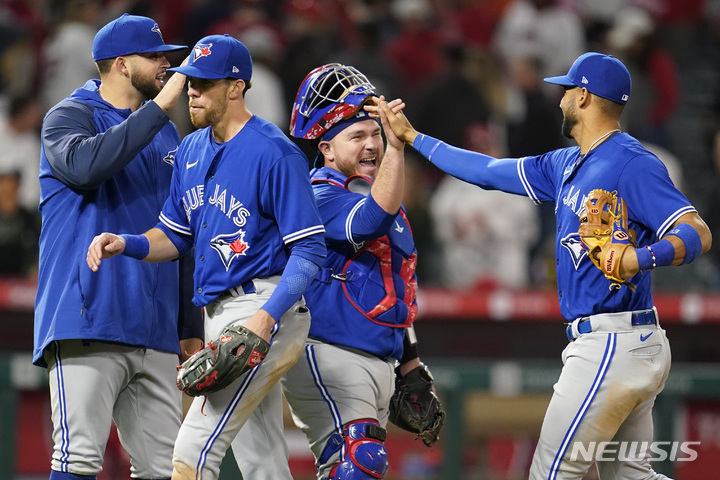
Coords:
pixel 328 95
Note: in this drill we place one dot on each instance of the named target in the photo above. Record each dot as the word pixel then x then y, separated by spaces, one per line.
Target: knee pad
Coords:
pixel 364 456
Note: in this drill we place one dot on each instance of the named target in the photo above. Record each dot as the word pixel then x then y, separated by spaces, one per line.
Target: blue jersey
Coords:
pixel 359 237
pixel 563 176
pixel 244 203
pixel 103 169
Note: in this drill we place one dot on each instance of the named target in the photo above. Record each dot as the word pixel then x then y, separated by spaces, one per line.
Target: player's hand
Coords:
pixel 629 266
pixel 172 89
pixel 260 324
pixel 397 121
pixel 105 245
pixel 371 107
pixel 628 263
pixel 393 141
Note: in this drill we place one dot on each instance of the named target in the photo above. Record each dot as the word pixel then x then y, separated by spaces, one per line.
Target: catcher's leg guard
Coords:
pixel 364 457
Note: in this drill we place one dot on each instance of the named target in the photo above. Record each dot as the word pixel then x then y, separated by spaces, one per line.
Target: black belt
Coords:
pixel 243 289
pixel 646 317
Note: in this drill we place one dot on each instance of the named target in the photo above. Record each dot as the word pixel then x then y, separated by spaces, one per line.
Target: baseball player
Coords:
pixel 618 357
pixel 110 341
pixel 363 301
pixel 240 194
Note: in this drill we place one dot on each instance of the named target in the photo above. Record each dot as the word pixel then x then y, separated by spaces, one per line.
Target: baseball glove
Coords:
pixel 221 361
pixel 415 407
pixel 605 235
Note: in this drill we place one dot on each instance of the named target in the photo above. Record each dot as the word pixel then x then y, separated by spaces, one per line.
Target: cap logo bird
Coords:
pixel 201 50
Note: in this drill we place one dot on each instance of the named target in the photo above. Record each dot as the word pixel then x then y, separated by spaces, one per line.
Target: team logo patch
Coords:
pixel 230 247
pixel 573 245
pixel 170 157
pixel 202 50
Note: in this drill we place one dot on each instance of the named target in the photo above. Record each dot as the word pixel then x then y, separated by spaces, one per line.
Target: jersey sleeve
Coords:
pixel 351 217
pixel 539 176
pixel 83 158
pixel 288 197
pixel 650 195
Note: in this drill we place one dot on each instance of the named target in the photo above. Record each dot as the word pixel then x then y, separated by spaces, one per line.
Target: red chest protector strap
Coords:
pixel 380 249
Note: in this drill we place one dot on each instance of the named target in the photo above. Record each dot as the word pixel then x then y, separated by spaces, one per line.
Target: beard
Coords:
pixel 569 122
pixel 145 85
pixel 209 116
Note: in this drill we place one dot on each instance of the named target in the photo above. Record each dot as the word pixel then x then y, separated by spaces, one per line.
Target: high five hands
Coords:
pixel 392 114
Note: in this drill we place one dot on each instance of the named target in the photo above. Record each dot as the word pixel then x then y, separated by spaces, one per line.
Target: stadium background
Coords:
pixel 493 337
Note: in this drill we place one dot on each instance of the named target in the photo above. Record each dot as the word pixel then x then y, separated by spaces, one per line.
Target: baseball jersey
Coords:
pixel 565 177
pixel 244 204
pixel 103 169
pixel 340 309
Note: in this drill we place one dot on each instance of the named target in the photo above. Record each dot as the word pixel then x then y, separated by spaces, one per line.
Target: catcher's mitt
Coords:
pixel 605 235
pixel 221 361
pixel 415 407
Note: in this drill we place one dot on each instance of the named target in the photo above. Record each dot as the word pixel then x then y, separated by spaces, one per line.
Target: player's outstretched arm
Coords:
pixel 153 246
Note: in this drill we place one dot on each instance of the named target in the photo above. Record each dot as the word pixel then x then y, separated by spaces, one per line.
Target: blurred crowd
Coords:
pixel 470 72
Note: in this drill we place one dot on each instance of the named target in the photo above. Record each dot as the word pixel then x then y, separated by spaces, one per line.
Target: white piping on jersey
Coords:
pixel 348 224
pixel 672 218
pixel 525 183
pixel 306 232
pixel 176 227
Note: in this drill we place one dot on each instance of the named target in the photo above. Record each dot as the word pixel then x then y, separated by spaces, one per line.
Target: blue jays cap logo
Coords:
pixel 229 247
pixel 156 29
pixel 202 50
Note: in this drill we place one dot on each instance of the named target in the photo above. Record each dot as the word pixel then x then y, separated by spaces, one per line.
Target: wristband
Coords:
pixel 646 258
pixel 658 254
pixel 690 238
pixel 136 246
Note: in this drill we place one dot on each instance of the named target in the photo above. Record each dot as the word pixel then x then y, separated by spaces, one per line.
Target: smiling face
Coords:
pixel 357 150
pixel 147 73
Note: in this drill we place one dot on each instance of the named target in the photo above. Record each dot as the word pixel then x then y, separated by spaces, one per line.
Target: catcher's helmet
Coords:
pixel 329 94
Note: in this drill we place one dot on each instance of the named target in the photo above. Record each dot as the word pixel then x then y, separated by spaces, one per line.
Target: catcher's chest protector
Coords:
pixel 377 257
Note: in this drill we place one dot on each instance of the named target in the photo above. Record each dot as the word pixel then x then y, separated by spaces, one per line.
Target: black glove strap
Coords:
pixel 410 347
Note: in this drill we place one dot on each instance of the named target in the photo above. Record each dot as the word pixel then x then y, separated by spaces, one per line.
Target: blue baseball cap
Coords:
pixel 130 34
pixel 218 56
pixel 602 75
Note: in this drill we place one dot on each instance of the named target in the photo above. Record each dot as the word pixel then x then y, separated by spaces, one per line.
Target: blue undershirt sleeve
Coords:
pixel 307 255
pixel 370 221
pixel 473 167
